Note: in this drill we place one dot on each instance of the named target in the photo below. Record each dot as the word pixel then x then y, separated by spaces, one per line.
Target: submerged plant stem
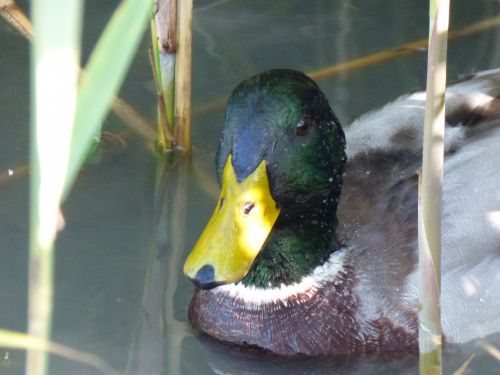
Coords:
pixel 364 62
pixel 18 340
pixel 40 286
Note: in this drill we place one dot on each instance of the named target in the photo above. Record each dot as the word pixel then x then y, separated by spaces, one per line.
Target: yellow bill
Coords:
pixel 239 226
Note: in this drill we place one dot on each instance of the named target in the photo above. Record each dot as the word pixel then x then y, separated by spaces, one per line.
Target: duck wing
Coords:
pixel 378 209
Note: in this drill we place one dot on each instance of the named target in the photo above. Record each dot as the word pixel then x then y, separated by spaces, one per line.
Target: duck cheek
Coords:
pixel 236 231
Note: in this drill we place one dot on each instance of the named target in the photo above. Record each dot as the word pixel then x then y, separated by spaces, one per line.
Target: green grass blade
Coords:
pixel 65 120
pixel 54 71
pixel 103 76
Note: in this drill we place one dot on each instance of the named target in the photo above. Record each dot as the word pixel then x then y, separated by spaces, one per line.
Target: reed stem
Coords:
pixel 163 61
pixel 163 64
pixel 15 17
pixel 171 32
pixel 430 192
pixel 183 75
pixel 166 21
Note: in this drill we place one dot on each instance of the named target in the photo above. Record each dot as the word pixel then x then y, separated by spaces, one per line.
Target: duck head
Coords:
pixel 280 163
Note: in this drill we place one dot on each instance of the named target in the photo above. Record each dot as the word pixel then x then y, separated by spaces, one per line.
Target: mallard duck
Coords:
pixel 289 264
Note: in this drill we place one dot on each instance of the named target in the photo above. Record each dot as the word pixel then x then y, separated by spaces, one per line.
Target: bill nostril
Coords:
pixel 205 277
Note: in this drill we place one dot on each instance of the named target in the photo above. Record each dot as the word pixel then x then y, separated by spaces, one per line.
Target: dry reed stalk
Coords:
pixel 183 75
pixel 430 192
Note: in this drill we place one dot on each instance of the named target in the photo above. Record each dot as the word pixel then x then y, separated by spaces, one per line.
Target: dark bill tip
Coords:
pixel 205 278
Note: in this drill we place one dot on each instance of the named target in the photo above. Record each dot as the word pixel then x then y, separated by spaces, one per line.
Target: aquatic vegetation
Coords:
pixel 66 116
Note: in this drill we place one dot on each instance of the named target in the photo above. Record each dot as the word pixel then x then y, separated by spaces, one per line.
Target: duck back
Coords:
pixel 378 207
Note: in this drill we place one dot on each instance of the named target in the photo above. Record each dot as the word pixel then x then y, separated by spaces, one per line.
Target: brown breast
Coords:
pixel 318 321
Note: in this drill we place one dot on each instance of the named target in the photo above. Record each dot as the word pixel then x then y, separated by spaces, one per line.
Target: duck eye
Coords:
pixel 303 126
pixel 248 207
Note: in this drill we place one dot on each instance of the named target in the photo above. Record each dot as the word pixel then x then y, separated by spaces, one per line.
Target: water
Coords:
pixel 116 264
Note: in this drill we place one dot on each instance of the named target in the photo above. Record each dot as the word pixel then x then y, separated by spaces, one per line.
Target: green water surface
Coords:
pixel 120 293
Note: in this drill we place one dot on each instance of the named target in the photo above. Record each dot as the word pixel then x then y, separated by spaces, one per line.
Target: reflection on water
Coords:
pixel 120 292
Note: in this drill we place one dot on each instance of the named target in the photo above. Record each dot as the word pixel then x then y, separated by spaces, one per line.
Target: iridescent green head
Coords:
pixel 282 116
pixel 278 120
